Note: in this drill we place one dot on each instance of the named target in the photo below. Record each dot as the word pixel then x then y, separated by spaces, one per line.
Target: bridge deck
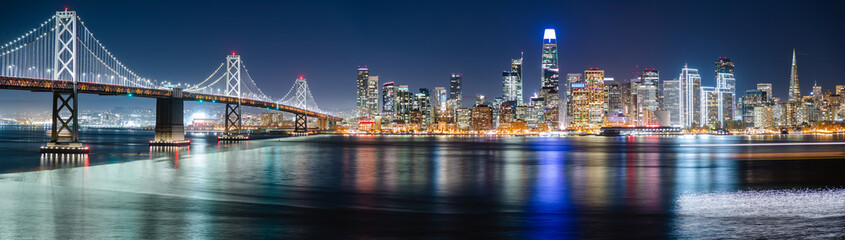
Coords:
pixel 47 85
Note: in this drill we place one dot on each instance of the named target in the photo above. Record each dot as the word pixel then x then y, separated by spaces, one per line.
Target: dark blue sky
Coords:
pixel 420 42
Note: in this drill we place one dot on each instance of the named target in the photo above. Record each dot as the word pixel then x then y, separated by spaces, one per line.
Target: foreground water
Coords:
pixel 424 187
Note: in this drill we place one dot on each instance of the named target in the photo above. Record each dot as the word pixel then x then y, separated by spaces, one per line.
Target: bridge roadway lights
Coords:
pixel 170 129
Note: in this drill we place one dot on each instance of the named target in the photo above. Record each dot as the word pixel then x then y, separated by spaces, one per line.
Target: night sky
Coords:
pixel 419 43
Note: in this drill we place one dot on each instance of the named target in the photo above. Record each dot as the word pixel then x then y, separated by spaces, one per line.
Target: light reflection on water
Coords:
pixel 399 186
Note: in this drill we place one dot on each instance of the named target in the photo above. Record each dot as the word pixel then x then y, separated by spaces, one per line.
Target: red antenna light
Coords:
pixel 300 76
pixel 233 53
pixel 65 8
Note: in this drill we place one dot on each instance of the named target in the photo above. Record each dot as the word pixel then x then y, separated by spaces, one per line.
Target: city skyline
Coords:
pixel 482 62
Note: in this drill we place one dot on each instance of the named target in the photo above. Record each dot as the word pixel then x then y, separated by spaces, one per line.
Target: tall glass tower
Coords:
pixel 794 90
pixel 512 82
pixel 455 92
pixel 362 82
pixel 550 69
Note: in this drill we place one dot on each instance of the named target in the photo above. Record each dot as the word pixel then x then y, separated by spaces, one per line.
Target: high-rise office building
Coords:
pixel 512 82
pixel 372 97
pixel 766 88
pixel 710 107
pixel 725 90
pixel 388 96
pixel 840 90
pixel 551 107
pixel 423 104
pixel 690 105
pixel 613 91
pixel 646 92
pixel 794 89
pixel 403 104
pixel 567 90
pixel 438 101
pixel 588 107
pixel 481 118
pixel 550 75
pixel 672 101
pixel 455 92
pixel 363 82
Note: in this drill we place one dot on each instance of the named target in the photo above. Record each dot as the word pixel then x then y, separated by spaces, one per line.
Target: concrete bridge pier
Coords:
pixel 170 127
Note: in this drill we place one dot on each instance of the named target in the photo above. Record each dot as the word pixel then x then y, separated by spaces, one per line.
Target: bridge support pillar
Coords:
pixel 170 127
pixel 323 123
pixel 301 123
pixel 233 124
pixel 64 136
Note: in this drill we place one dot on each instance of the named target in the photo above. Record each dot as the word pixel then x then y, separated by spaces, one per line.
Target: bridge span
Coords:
pixel 62 56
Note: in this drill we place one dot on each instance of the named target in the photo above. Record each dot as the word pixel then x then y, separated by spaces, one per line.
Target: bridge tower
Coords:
pixel 233 125
pixel 301 122
pixel 64 136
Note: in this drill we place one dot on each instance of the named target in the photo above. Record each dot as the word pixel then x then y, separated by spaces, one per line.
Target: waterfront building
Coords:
pixel 512 82
pixel 672 101
pixel 482 118
pixel 710 113
pixel 840 90
pixel 388 94
pixel 464 117
pixel 763 117
pixel 690 97
pixel 455 92
pixel 549 61
pixel 536 109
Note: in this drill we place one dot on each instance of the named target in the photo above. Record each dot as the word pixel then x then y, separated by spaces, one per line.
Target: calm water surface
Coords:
pixel 364 187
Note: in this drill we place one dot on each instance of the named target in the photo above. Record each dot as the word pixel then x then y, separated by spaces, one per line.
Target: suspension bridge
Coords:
pixel 62 56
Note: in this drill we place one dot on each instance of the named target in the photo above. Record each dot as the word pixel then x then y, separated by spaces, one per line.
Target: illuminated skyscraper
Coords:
pixel 672 101
pixel 403 104
pixel 362 89
pixel 766 88
pixel 725 90
pixel 794 89
pixel 646 95
pixel 388 95
pixel 455 92
pixel 549 64
pixel 567 90
pixel 690 97
pixel 372 97
pixel 512 82
pixel 588 107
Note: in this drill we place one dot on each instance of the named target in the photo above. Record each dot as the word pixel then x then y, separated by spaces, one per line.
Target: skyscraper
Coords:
pixel 766 88
pixel 794 89
pixel 588 107
pixel 455 92
pixel 567 90
pixel 362 88
pixel 372 97
pixel 512 82
pixel 690 93
pixel 672 101
pixel 725 90
pixel 388 94
pixel 646 94
pixel 549 72
pixel 403 104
